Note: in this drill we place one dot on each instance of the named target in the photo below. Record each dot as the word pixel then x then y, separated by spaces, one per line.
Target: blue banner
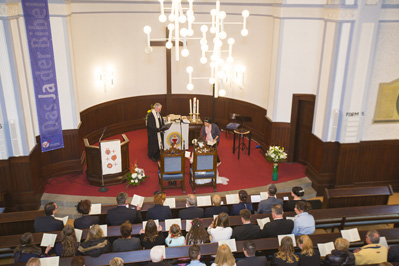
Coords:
pixel 41 52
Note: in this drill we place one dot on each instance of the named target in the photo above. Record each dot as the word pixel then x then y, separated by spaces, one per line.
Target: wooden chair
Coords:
pixel 172 168
pixel 233 124
pixel 204 167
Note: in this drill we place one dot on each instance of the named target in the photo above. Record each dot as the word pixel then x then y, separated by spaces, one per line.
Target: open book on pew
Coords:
pixel 230 242
pixel 95 208
pixel 264 196
pixel 50 261
pixel 188 225
pixel 383 241
pixel 280 237
pixel 171 202
pixel 64 219
pixel 351 235
pixel 137 201
pixel 262 222
pixel 204 201
pixel 325 248
pixel 145 223
pixel 232 199
pixel 78 234
pixel 170 222
pixel 48 239
pixel 255 198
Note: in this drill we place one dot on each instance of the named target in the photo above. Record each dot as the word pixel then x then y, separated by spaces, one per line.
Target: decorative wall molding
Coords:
pixel 340 14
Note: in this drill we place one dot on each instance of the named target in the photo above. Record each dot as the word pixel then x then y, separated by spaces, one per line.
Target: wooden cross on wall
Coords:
pixel 168 69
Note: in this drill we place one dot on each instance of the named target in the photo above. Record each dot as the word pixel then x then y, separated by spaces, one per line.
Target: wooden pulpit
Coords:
pixel 93 161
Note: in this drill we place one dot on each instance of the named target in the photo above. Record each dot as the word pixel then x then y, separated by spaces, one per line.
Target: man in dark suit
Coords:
pixel 191 212
pixel 48 223
pixel 247 230
pixel 216 208
pixel 123 213
pixel 249 249
pixel 265 206
pixel 279 225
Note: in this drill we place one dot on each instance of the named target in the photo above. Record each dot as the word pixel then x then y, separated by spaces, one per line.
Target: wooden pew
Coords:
pixel 325 218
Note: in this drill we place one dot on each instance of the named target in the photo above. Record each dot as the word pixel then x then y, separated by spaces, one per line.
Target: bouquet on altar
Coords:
pixel 276 154
pixel 135 176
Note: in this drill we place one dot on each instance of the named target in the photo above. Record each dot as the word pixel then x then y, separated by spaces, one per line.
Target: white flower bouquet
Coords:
pixel 135 176
pixel 276 154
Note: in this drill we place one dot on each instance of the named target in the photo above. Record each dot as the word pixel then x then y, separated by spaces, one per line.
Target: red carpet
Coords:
pixel 249 171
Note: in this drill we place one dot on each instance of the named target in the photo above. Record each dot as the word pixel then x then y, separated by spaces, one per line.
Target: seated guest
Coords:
pixel 48 223
pixel 249 249
pixel 244 204
pixel 68 245
pixel 122 213
pixel 127 242
pixel 197 234
pixel 195 255
pixel 220 228
pixel 116 262
pixel 159 212
pixel 373 252
pixel 95 243
pixel 156 257
pixel 308 256
pixel 78 261
pixel 216 208
pixel 304 223
pixel 27 249
pixel 150 237
pixel 175 237
pixel 224 257
pixel 296 193
pixel 246 231
pixel 279 225
pixel 340 255
pixel 285 255
pixel 265 206
pixel 191 211
pixel 84 222
pixel 393 254
pixel 33 262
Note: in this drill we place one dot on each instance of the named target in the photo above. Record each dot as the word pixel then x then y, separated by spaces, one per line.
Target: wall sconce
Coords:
pixel 107 79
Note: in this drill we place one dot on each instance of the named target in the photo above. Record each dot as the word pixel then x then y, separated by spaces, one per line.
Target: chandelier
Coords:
pixel 180 30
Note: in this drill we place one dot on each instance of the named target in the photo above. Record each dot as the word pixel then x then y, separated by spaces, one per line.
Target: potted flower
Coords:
pixel 135 176
pixel 275 154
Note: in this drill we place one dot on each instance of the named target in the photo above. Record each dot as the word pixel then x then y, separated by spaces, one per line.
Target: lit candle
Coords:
pixel 197 106
pixel 191 107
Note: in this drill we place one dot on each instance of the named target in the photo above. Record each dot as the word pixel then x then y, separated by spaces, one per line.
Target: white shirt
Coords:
pixel 220 233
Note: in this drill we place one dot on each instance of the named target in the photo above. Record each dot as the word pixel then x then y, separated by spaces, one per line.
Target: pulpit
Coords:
pixel 93 160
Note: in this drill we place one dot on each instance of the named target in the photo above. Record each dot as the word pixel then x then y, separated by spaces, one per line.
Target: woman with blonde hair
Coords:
pixel 220 228
pixel 68 245
pixel 197 234
pixel 285 255
pixel 159 212
pixel 150 237
pixel 95 243
pixel 308 255
pixel 340 255
pixel 224 257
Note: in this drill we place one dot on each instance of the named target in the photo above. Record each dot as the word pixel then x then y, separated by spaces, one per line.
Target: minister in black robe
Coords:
pixel 155 137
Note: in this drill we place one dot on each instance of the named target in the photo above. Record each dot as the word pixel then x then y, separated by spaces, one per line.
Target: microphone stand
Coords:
pixel 102 189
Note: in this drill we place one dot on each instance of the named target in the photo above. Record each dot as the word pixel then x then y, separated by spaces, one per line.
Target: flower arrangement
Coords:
pixel 148 112
pixel 276 154
pixel 135 176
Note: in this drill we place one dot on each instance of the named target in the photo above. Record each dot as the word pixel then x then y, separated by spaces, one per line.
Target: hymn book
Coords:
pixel 137 201
pixel 95 208
pixel 64 219
pixel 145 223
pixel 351 234
pixel 232 199
pixel 264 196
pixel 188 225
pixel 50 261
pixel 171 202
pixel 230 242
pixel 262 222
pixel 383 241
pixel 204 201
pixel 78 234
pixel 170 222
pixel 290 218
pixel 325 248
pixel 255 198
pixel 48 239
pixel 280 237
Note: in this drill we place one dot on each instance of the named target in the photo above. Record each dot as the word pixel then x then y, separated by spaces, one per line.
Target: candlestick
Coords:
pixel 197 106
pixel 191 108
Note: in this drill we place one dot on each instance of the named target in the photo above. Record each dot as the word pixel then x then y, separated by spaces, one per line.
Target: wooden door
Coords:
pixel 303 130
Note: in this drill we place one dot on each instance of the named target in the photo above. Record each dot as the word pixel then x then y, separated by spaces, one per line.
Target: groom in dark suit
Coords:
pixel 279 225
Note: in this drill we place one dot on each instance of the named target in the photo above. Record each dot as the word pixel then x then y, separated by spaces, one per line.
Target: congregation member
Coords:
pixel 78 261
pixel 175 237
pixel 243 204
pixel 296 193
pixel 249 249
pixel 86 220
pixel 69 244
pixel 156 257
pixel 393 254
pixel 122 213
pixel 126 242
pixel 246 231
pixel 224 257
pixel 151 237
pixel 27 249
pixel 116 262
pixel 285 255
pixel 159 211
pixel 155 136
pixel 33 262
pixel 195 256
pixel 216 209
pixel 304 223
pixel 373 252
pixel 95 243
pixel 48 223
pixel 220 228
pixel 340 255
pixel 191 211
pixel 279 225
pixel 197 234
pixel 211 134
pixel 308 255
pixel 265 206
